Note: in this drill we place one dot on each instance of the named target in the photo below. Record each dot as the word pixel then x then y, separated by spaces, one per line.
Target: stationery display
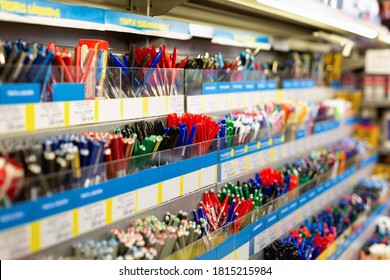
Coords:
pixel 37 168
pixel 319 232
pixel 378 246
pixel 227 210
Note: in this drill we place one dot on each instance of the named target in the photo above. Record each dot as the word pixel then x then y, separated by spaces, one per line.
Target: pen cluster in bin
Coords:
pixel 144 239
pixel 235 201
pixel 317 234
pixel 378 246
pixel 49 65
pixel 225 212
pixel 145 72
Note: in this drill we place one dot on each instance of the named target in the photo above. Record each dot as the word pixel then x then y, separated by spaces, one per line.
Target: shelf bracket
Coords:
pixel 153 7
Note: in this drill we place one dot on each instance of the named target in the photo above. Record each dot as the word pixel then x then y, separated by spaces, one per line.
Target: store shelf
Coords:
pixel 376 104
pixel 350 245
pixel 86 17
pixel 21 118
pixel 215 97
pixel 18 119
pixel 83 210
pixel 242 243
pixel 249 241
pixel 315 14
pixel 384 151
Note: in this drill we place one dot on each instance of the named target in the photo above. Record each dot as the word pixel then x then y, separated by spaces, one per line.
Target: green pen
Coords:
pixel 149 144
pixel 117 131
pixel 256 202
pixel 241 193
pixel 256 193
pixel 231 187
pixel 229 132
pixel 246 190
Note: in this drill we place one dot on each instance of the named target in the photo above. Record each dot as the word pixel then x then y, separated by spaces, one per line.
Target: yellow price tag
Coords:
pixel 279 95
pixel 272 155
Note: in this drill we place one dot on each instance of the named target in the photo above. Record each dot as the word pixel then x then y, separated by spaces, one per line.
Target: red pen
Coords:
pixel 110 165
pixel 77 62
pixel 183 63
pixel 215 201
pixel 88 65
pixel 64 67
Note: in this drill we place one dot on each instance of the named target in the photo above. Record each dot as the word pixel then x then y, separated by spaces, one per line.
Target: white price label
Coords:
pixel 81 112
pixel 210 103
pixel 309 142
pixel 238 100
pixel 109 110
pixel 157 106
pixel 170 189
pixel 269 96
pixel 225 101
pixel 284 226
pixel 272 233
pixel 227 170
pixel 294 219
pixel 300 145
pixel 208 176
pixel 15 243
pixel 278 153
pixel 250 99
pixel 49 115
pixel 194 104
pixel 56 229
pixel 92 216
pixel 260 242
pixel 297 95
pixel 176 104
pixel 241 165
pixel 123 206
pixel 132 108
pixel 266 157
pixel 13 118
pixel 254 161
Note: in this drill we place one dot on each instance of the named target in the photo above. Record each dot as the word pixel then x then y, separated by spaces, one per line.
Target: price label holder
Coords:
pixel 81 112
pixel 16 118
pixel 195 104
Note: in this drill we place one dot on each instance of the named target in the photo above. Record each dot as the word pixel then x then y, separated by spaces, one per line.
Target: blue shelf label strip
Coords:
pixel 237 87
pixel 271 219
pixel 20 93
pixel 48 9
pixel 298 84
pixel 145 23
pixel 240 36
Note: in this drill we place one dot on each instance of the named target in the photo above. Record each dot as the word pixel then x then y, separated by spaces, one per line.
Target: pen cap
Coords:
pixel 94 44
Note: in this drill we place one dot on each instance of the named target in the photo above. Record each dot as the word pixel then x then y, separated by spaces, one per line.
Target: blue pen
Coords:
pixel 44 93
pixel 202 213
pixel 221 63
pixel 125 61
pixel 231 212
pixel 222 134
pixel 153 66
pixel 196 216
pixel 93 156
pixel 48 60
pixel 192 134
pixel 118 63
pixel 183 135
pixel 84 152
